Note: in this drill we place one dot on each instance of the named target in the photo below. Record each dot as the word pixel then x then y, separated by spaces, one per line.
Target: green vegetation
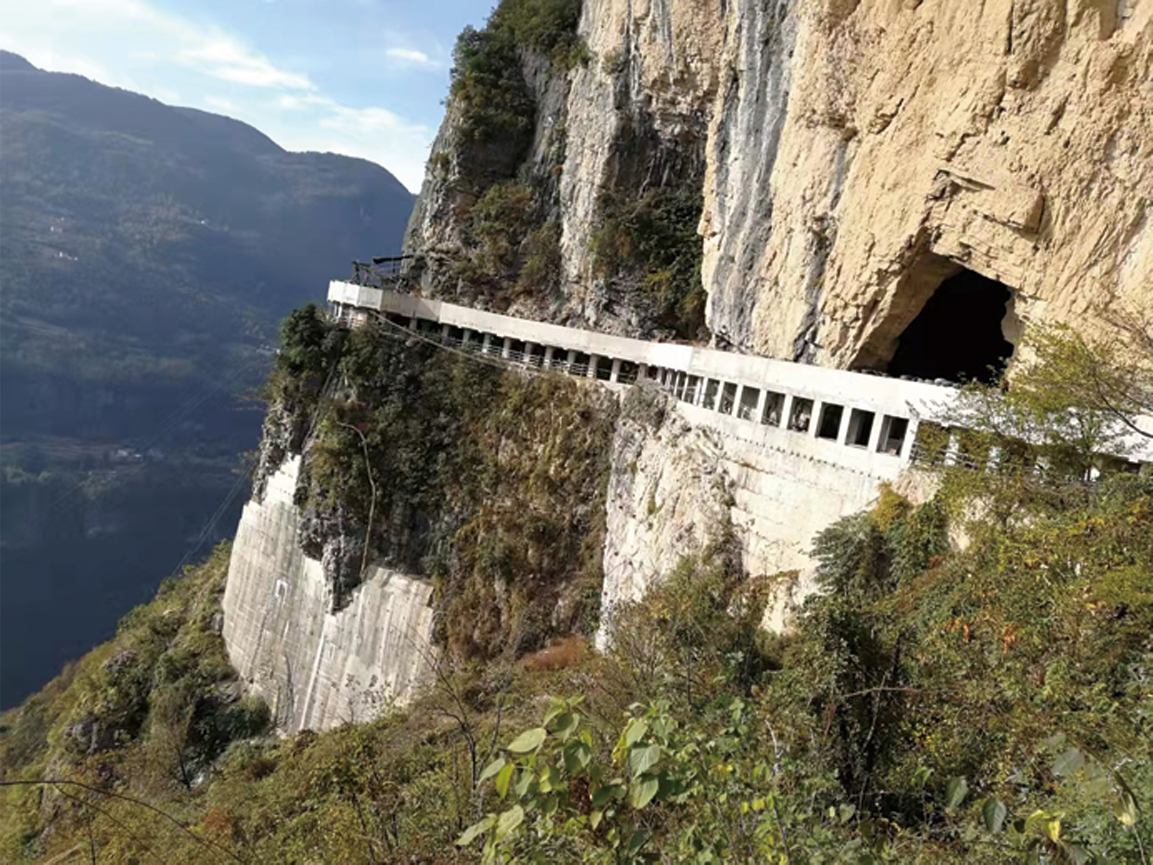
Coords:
pixel 934 703
pixel 490 482
pixel 488 85
pixel 145 713
pixel 990 705
pixel 652 239
pixel 507 251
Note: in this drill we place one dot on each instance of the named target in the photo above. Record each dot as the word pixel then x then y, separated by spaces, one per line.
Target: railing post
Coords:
pixel 910 439
pixel 815 420
pixel 875 433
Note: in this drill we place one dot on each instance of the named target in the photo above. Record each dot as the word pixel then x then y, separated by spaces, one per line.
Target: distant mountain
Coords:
pixel 147 253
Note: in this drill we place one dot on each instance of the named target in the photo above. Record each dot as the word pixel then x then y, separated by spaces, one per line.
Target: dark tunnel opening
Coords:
pixel 957 334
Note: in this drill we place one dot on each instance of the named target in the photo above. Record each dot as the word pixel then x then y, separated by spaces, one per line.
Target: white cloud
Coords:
pixel 409 57
pixel 221 57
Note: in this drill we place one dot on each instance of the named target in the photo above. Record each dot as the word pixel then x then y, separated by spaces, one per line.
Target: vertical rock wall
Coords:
pixel 317 669
pixel 1012 137
pixel 857 152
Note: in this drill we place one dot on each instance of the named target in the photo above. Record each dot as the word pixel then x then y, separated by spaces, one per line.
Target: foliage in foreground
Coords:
pixel 933 704
pixel 992 705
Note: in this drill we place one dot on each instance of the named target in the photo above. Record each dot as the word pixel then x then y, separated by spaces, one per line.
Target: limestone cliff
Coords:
pixel 411 506
pixel 815 171
pixel 851 154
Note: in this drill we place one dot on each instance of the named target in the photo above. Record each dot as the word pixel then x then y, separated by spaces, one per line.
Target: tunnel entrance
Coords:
pixel 957 335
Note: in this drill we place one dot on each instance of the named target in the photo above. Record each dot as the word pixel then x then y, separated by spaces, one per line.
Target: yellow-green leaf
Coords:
pixel 476 829
pixel 642 790
pixel 503 778
pixel 529 740
pixel 508 821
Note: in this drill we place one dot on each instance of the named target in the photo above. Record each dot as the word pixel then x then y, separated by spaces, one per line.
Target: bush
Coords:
pixel 488 86
pixel 653 238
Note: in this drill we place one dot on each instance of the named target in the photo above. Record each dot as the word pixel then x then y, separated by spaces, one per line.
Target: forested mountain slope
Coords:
pixel 146 255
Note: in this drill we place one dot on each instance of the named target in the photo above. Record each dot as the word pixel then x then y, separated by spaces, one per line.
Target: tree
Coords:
pixel 1073 400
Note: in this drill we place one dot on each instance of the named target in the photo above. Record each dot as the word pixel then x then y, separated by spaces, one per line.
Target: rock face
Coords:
pixel 1014 140
pixel 318 669
pixel 675 484
pixel 854 154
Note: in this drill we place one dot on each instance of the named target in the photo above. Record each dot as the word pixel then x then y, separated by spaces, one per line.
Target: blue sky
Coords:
pixel 360 77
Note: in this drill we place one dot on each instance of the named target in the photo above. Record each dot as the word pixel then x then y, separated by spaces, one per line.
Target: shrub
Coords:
pixel 488 86
pixel 653 238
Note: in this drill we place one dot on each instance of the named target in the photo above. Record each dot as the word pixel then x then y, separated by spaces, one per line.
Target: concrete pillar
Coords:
pixel 615 372
pixel 953 449
pixel 875 433
pixel 759 411
pixel 528 358
pixel 445 330
pixel 548 353
pixel 572 356
pixel 485 343
pixel 466 337
pixel 506 347
pixel 843 429
pixel 737 400
pixel 642 372
pixel 594 359
pixel 412 323
pixel 910 437
pixel 815 420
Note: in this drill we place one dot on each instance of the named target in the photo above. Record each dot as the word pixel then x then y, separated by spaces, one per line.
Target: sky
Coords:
pixel 363 78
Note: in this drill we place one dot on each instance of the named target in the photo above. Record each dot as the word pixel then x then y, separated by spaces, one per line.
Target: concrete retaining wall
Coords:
pixel 315 669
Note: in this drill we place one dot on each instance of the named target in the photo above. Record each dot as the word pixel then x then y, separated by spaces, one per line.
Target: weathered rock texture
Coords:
pixel 674 485
pixel 318 669
pixel 1014 137
pixel 855 153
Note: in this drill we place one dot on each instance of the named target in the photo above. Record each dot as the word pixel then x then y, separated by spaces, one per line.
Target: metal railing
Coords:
pixel 382 270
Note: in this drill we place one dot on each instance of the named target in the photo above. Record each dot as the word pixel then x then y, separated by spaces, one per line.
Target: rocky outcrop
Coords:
pixel 853 155
pixel 910 139
pixel 675 485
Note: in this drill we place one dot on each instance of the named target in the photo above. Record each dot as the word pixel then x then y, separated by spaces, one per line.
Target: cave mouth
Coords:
pixel 957 335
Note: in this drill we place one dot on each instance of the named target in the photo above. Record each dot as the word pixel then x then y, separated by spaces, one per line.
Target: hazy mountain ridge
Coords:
pixel 147 253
